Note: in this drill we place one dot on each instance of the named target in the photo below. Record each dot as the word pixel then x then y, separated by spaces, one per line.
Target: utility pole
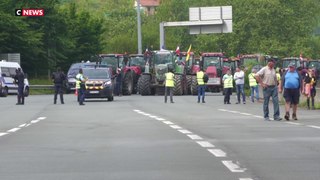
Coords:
pixel 139 28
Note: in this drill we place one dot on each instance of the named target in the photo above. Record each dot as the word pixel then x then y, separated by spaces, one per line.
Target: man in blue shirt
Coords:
pixel 292 84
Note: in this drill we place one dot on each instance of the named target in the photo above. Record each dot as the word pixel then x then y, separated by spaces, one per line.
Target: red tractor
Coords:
pixel 212 65
pixel 121 61
pixel 137 63
pixel 184 68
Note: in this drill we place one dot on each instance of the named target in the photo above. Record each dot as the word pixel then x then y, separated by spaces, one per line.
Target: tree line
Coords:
pixel 75 30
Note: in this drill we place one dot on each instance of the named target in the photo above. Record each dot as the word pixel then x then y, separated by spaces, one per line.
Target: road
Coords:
pixel 142 138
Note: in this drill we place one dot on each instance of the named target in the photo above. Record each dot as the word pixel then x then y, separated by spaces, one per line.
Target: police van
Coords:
pixel 7 83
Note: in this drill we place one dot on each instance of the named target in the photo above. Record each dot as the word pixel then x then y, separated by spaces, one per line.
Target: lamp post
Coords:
pixel 139 28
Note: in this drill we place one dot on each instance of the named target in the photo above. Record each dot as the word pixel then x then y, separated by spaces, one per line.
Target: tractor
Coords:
pixel 212 65
pixel 152 80
pixel 137 64
pixel 116 61
pixel 183 68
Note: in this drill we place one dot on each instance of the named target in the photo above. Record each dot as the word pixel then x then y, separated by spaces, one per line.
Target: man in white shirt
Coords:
pixel 239 79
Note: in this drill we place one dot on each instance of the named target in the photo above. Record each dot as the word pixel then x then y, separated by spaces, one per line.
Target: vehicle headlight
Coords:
pixel 107 83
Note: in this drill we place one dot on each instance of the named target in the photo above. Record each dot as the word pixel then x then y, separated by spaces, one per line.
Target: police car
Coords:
pixel 99 83
pixel 7 84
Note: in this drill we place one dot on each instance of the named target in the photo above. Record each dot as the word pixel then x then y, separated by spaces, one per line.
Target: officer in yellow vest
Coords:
pixel 201 85
pixel 227 80
pixel 80 86
pixel 169 85
pixel 254 87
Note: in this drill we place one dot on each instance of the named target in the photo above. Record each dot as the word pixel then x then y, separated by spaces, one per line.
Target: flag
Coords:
pixel 178 51
pixel 188 53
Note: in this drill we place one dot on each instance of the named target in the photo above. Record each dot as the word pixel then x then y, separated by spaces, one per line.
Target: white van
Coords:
pixel 7 73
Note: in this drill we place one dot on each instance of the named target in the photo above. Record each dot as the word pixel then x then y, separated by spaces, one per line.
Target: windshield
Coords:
pixel 137 61
pixel 96 73
pixel 109 61
pixel 286 63
pixel 228 64
pixel 211 61
pixel 313 64
pixel 248 61
pixel 163 58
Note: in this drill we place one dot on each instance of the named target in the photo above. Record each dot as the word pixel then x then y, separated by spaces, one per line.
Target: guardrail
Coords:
pixel 41 86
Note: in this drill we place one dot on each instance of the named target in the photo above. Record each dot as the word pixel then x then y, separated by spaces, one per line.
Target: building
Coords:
pixel 149 6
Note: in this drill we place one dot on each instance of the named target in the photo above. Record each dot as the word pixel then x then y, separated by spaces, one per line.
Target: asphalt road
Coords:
pixel 142 138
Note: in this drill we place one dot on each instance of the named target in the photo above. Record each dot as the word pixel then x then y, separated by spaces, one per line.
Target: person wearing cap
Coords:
pixel 291 84
pixel 267 79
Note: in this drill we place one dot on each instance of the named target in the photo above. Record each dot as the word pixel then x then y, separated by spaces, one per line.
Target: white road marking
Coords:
pixel 153 116
pixel 22 125
pixel 2 134
pixel 184 131
pixel 245 179
pixel 258 117
pixel 247 114
pixel 168 122
pixel 35 121
pixel 160 119
pixel 146 114
pixel 222 110
pixel 205 144
pixel 233 167
pixel 136 110
pixel 217 152
pixel 194 137
pixel 28 125
pixel 317 127
pixel 176 127
pixel 13 130
pixel 293 123
pixel 42 118
pixel 234 111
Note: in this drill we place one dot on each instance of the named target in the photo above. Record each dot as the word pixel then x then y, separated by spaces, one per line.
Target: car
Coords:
pixel 70 83
pixel 99 83
pixel 7 73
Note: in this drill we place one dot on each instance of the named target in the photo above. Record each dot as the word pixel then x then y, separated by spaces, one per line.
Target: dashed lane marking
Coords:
pixel 233 167
pixel 176 127
pixel 22 125
pixel 247 114
pixel 245 179
pixel 13 130
pixel 168 122
pixel 317 127
pixel 217 152
pixel 293 123
pixel 205 144
pixel 2 134
pixel 184 131
pixel 194 137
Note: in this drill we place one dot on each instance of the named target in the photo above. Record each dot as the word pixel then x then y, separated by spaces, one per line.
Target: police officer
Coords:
pixel 201 85
pixel 169 85
pixel 58 79
pixel 80 85
pixel 19 79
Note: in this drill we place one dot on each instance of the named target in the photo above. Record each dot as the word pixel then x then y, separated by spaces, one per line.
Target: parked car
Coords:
pixel 7 73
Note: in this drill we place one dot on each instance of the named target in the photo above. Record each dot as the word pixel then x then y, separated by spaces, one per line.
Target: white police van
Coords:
pixel 7 84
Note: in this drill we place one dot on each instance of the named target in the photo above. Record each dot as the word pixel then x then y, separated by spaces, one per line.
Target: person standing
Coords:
pixel 58 79
pixel 267 78
pixel 82 87
pixel 201 85
pixel 169 85
pixel 310 82
pixel 227 86
pixel 239 79
pixel 292 84
pixel 118 90
pixel 254 87
pixel 19 80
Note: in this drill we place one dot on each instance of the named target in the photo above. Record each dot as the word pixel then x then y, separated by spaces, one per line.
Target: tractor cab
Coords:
pixel 257 61
pixel 286 61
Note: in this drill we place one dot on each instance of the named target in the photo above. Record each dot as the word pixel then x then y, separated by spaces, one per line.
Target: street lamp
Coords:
pixel 139 28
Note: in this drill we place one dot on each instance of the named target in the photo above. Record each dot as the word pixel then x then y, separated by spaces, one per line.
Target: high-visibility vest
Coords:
pixel 169 79
pixel 228 82
pixel 278 76
pixel 252 80
pixel 200 75
pixel 79 78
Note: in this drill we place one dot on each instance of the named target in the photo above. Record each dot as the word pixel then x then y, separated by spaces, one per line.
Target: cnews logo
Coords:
pixel 29 12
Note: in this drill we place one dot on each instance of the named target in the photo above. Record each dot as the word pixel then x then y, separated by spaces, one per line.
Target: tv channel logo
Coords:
pixel 29 12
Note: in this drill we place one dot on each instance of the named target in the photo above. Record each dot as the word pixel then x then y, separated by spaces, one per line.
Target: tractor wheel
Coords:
pixel 135 78
pixel 194 88
pixel 127 85
pixel 178 89
pixel 189 82
pixel 144 85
